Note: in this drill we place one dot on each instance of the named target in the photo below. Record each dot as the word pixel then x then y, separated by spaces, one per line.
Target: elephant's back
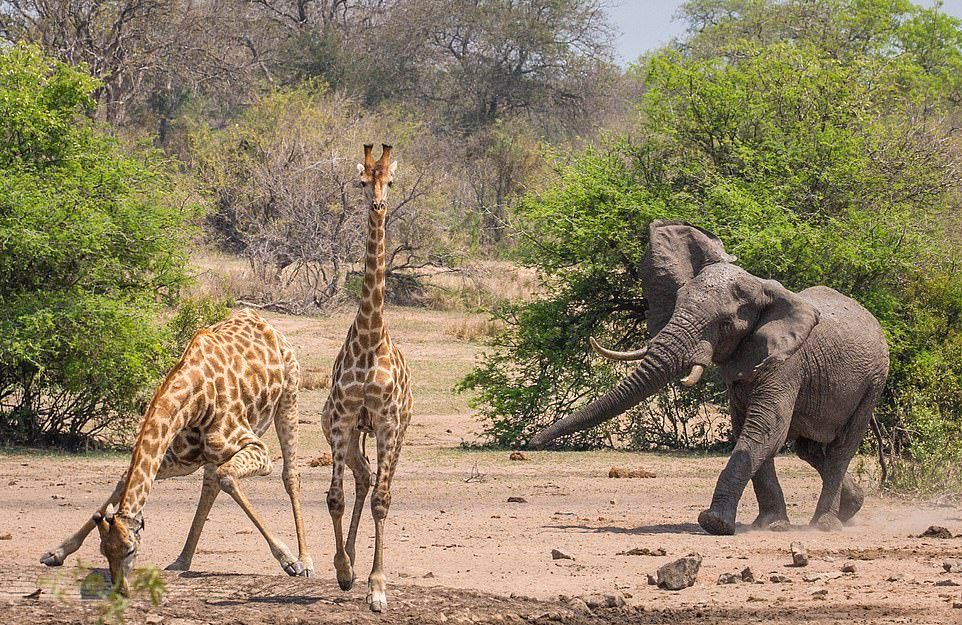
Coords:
pixel 847 323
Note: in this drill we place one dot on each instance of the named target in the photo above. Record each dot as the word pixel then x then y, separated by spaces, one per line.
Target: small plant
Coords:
pixel 91 583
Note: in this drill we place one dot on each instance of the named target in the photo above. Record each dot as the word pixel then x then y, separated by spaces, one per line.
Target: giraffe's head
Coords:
pixel 119 542
pixel 375 177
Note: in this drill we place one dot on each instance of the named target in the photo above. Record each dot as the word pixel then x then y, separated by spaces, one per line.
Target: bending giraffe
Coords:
pixel 211 410
pixel 370 393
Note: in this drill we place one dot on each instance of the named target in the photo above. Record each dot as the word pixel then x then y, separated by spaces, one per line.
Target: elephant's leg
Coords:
pixel 768 492
pixel 851 495
pixel 767 420
pixel 772 512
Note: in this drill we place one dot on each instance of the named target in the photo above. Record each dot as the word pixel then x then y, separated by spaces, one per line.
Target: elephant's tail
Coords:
pixel 879 442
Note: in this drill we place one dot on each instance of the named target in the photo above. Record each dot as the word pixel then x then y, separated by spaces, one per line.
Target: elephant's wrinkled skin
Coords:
pixel 806 367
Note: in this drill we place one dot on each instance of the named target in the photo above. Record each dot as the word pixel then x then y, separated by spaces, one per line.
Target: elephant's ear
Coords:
pixel 783 326
pixel 677 252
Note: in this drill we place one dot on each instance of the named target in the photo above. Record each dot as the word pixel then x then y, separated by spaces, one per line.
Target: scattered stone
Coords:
pixel 748 575
pixel 154 619
pixel 578 605
pixel 895 578
pixel 818 577
pixel 560 555
pixel 947 582
pixel 848 567
pixel 820 594
pixel 652 580
pixel 728 578
pixel 517 456
pixel 778 578
pixel 35 594
pixel 679 574
pixel 799 555
pixel 614 600
pixel 12 483
pixel 324 460
pixel 6 536
pixel 780 526
pixel 828 559
pixel 952 565
pixel 936 531
pixel 644 551
pixel 428 575
pixel 621 472
pixel 517 500
pixel 957 604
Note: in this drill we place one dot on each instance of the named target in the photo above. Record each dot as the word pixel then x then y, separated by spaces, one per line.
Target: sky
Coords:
pixel 647 24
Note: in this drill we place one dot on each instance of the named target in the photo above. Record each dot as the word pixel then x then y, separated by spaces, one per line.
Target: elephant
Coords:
pixel 806 368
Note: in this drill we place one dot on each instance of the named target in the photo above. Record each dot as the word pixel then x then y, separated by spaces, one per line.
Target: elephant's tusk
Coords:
pixel 694 376
pixel 637 354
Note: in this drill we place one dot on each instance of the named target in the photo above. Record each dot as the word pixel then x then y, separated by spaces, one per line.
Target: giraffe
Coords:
pixel 211 410
pixel 370 393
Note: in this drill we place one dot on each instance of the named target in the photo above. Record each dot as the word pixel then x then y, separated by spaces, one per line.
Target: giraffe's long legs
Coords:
pixel 343 566
pixel 208 494
pixel 361 469
pixel 389 438
pixel 286 424
pixel 254 459
pixel 57 556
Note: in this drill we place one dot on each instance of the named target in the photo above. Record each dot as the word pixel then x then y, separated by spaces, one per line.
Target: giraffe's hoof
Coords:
pixel 294 569
pixel 178 565
pixel 53 558
pixel 345 584
pixel 378 605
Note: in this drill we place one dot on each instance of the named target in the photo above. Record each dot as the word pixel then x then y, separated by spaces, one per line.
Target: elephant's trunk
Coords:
pixel 667 355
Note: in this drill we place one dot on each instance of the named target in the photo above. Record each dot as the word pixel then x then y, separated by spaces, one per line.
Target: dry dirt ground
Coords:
pixel 458 551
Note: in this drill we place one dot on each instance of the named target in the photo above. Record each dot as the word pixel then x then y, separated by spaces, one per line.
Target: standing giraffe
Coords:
pixel 370 393
pixel 233 379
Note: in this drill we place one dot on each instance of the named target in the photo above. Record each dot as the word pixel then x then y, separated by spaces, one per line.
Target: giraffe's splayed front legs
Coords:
pixel 208 494
pixel 56 557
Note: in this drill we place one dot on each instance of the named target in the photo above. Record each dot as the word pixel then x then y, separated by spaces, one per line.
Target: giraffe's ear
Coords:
pixel 109 513
pixel 360 169
pixel 392 168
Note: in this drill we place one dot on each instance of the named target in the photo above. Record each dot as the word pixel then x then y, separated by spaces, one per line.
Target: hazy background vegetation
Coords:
pixel 143 141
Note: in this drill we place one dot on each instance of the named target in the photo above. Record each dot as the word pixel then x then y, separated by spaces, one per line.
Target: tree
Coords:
pixel 92 244
pixel 817 158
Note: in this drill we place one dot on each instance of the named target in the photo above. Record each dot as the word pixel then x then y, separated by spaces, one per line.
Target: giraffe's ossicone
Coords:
pixel 233 380
pixel 370 392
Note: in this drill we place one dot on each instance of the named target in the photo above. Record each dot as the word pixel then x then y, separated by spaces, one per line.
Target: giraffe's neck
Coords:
pixel 165 417
pixel 370 315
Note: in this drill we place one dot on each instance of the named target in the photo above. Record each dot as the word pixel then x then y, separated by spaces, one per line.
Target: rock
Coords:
pixel 780 526
pixel 818 577
pixel 728 578
pixel 643 551
pixel 12 483
pixel 614 600
pixel 428 575
pixel 778 578
pixel 848 567
pixel 947 582
pixel 517 500
pixel 154 619
pixel 517 456
pixel 895 578
pixel 957 604
pixel 324 460
pixel 577 605
pixel 936 531
pixel 819 594
pixel 679 574
pixel 951 565
pixel 748 575
pixel 6 536
pixel 620 472
pixel 799 554
pixel 652 580
pixel 560 555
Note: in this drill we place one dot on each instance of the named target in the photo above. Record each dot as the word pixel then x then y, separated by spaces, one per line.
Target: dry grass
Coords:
pixel 313 379
pixel 475 329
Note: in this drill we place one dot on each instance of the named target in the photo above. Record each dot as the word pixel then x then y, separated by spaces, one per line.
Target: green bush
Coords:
pixel 815 148
pixel 92 247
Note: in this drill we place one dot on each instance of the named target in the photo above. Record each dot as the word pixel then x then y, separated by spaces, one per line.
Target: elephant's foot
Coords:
pixel 180 564
pixel 775 521
pixel 850 501
pixel 54 558
pixel 827 522
pixel 716 523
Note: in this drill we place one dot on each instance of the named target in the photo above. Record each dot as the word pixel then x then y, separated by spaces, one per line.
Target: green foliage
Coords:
pixel 113 605
pixel 816 149
pixel 92 245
